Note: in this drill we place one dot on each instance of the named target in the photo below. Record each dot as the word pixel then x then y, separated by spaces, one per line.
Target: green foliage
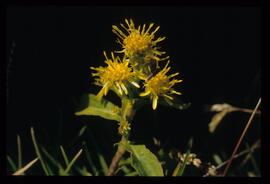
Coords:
pixel 144 161
pixel 102 108
pixel 124 77
pixel 38 152
pixel 180 168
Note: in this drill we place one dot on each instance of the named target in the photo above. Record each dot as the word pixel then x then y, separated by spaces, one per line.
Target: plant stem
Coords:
pixel 118 155
pixel 126 114
pixel 241 137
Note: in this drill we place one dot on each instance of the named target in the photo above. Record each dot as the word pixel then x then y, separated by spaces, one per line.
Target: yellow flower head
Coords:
pixel 116 75
pixel 160 85
pixel 138 42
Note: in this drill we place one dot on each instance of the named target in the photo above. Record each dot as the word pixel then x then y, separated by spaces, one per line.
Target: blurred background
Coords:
pixel 217 51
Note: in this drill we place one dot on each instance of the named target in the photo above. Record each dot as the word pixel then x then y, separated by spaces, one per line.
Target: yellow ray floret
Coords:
pixel 116 75
pixel 160 85
pixel 139 41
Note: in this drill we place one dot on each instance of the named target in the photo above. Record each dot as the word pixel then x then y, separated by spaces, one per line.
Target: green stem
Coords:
pixel 19 152
pixel 118 155
pixel 126 115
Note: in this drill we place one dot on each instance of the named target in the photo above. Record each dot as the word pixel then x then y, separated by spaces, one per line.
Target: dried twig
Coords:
pixel 241 138
pixel 256 145
pixel 22 170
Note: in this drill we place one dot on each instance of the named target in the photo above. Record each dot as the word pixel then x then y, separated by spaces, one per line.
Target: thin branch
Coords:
pixel 241 138
pixel 256 145
pixel 248 111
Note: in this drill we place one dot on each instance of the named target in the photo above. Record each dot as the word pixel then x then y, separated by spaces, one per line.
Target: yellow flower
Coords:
pixel 139 43
pixel 116 76
pixel 160 85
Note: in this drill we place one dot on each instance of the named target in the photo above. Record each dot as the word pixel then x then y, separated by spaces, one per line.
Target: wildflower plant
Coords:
pixel 138 74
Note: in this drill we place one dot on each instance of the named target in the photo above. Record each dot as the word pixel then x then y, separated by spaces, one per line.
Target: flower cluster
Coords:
pixel 116 75
pixel 139 63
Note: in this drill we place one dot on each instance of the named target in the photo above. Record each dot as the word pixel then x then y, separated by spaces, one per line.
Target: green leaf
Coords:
pixel 102 108
pixel 144 161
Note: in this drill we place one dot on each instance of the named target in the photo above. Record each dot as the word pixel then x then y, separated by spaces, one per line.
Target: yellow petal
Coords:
pixel 172 75
pixel 167 96
pixel 176 92
pixel 145 93
pixel 105 55
pixel 150 26
pixel 155 30
pixel 154 105
pixel 118 32
pixel 135 84
pixel 119 88
pixel 124 88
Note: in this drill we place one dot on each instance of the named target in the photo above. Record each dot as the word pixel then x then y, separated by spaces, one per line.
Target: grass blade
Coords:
pixel 11 163
pixel 253 161
pixel 176 170
pixel 82 130
pixel 180 168
pixel 49 169
pixel 19 151
pixel 83 171
pixel 25 168
pixel 90 161
pixel 73 161
pixel 102 161
pixel 50 157
pixel 64 155
pixel 38 152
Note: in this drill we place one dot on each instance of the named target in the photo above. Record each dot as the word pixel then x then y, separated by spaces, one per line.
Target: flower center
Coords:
pixel 158 85
pixel 136 43
pixel 115 72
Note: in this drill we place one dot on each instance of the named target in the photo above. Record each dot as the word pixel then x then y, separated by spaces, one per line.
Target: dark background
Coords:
pixel 217 51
